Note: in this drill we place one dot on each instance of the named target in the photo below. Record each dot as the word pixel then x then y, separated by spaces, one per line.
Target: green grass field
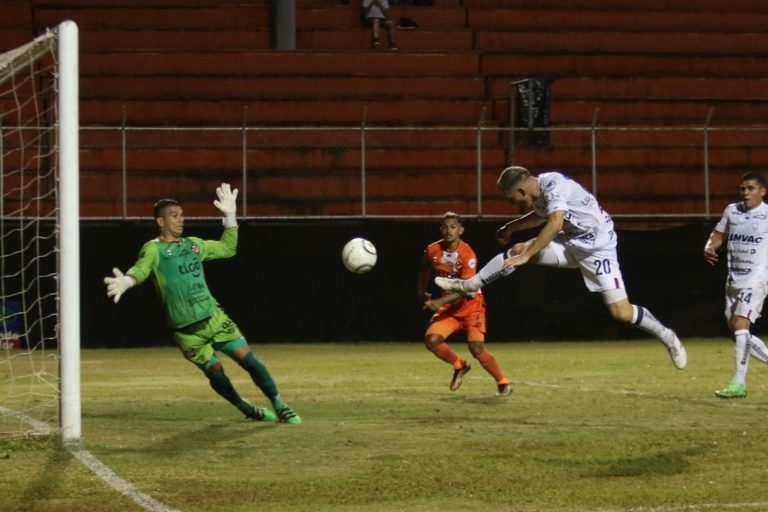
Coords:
pixel 603 426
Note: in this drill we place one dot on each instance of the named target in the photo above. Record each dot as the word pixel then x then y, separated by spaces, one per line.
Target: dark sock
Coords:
pixel 261 377
pixel 223 386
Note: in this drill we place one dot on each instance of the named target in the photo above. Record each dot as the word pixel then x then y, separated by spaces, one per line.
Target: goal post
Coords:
pixel 39 237
pixel 68 135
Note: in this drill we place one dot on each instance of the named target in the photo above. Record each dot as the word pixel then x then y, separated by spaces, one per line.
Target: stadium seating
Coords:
pixel 622 62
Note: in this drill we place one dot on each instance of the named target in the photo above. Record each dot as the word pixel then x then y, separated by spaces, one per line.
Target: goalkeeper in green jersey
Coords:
pixel 200 327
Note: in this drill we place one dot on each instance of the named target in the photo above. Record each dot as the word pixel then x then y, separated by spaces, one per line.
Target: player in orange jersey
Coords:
pixel 452 257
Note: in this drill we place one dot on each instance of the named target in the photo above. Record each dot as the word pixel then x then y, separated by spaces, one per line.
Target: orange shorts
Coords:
pixel 468 317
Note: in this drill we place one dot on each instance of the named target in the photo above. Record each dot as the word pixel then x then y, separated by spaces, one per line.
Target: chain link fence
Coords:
pixel 410 172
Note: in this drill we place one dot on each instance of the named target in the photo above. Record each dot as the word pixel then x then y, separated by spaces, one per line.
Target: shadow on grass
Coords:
pixel 159 441
pixel 215 435
pixel 661 463
pixel 47 483
pixel 484 400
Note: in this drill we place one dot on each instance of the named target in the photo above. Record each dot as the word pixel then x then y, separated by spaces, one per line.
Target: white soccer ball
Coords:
pixel 359 255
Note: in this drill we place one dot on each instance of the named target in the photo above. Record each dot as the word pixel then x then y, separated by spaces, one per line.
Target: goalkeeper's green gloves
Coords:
pixel 227 204
pixel 118 285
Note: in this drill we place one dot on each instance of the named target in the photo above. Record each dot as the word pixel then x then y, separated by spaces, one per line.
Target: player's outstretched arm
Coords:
pixel 227 204
pixel 118 285
pixel 527 221
pixel 553 226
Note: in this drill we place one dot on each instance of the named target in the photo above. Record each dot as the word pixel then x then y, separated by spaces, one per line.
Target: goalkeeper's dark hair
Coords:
pixel 453 215
pixel 161 205
pixel 754 176
pixel 511 176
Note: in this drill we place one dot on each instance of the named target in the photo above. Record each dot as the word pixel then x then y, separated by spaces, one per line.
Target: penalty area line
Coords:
pixel 690 508
pixel 100 469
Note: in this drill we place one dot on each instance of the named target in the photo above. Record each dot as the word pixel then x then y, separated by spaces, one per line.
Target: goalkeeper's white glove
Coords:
pixel 118 285
pixel 227 204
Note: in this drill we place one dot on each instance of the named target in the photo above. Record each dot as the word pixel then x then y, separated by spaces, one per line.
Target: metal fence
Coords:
pixel 410 172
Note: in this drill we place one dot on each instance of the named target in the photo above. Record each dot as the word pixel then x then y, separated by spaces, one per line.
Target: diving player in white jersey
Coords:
pixel 745 226
pixel 577 233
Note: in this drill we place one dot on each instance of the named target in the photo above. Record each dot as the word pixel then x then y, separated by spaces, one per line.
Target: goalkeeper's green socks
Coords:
pixel 260 376
pixel 223 386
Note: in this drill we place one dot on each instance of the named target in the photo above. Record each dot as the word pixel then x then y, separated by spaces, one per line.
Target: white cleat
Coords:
pixel 677 353
pixel 455 285
pixel 449 284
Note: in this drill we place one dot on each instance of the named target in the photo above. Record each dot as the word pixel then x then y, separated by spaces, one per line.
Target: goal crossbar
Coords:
pixel 18 59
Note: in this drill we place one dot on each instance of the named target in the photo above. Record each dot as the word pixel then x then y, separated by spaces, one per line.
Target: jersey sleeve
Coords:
pixel 431 252
pixel 722 225
pixel 469 259
pixel 225 247
pixel 554 190
pixel 147 262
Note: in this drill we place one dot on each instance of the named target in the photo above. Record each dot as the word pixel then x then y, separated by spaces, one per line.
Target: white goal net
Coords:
pixel 37 231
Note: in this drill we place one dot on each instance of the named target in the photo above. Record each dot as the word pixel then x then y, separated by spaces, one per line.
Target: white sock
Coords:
pixel 758 350
pixel 490 272
pixel 741 354
pixel 645 321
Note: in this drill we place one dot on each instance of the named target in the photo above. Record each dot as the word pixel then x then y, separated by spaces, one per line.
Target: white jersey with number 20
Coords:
pixel 585 225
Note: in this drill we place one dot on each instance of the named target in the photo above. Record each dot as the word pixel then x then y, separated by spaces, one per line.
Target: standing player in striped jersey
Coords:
pixel 452 257
pixel 174 264
pixel 576 233
pixel 745 226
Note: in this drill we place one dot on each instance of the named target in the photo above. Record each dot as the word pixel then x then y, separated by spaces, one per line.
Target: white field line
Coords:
pixel 690 508
pixel 39 427
pixel 123 487
pixel 101 470
pixel 152 505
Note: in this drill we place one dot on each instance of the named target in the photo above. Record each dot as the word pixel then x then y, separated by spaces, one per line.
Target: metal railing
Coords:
pixel 365 171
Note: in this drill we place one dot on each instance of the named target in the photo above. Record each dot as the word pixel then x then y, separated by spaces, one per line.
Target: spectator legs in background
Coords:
pixel 392 34
pixel 376 25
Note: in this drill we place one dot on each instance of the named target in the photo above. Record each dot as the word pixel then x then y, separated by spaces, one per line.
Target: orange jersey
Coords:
pixel 460 264
pixel 466 314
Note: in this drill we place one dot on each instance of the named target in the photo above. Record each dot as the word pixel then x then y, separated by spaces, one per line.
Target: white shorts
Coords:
pixel 376 11
pixel 599 268
pixel 745 302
